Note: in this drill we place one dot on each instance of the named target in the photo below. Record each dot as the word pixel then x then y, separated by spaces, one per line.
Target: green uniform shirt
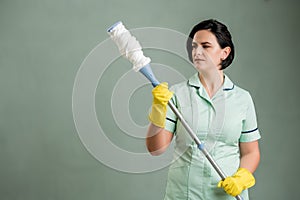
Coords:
pixel 221 123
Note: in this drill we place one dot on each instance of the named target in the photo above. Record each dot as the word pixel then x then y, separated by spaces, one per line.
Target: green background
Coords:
pixel 42 45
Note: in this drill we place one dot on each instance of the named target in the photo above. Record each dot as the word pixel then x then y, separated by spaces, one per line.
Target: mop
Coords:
pixel 131 49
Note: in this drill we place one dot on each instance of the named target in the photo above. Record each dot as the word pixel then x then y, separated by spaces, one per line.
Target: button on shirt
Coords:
pixel 221 123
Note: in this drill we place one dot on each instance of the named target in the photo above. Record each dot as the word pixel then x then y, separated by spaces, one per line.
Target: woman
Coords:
pixel 220 113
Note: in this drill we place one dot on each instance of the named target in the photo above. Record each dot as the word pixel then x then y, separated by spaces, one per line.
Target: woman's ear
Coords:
pixel 225 53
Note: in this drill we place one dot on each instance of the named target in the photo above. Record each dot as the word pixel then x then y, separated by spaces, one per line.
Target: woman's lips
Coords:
pixel 198 59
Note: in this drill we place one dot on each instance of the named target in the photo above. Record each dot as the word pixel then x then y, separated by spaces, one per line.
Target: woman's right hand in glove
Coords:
pixel 161 96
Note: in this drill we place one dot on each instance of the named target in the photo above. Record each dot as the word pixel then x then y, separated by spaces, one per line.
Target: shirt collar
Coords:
pixel 195 82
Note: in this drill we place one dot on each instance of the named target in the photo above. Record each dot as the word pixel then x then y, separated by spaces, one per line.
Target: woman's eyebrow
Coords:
pixel 203 43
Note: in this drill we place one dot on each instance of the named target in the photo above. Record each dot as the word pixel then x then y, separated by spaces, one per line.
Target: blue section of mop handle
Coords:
pixel 201 146
pixel 113 26
pixel 147 72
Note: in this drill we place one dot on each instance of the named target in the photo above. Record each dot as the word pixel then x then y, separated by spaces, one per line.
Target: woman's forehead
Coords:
pixel 204 36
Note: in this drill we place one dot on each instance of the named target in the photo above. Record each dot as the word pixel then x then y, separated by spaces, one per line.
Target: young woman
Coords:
pixel 219 112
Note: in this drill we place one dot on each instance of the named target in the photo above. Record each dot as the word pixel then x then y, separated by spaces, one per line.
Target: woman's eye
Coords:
pixel 194 46
pixel 205 46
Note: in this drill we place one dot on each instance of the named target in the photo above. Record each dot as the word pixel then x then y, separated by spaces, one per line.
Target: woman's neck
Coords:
pixel 212 81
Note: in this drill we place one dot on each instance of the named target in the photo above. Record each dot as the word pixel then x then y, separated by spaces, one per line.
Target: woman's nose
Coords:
pixel 199 50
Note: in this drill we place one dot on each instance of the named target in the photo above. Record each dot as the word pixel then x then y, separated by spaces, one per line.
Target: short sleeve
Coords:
pixel 171 118
pixel 250 131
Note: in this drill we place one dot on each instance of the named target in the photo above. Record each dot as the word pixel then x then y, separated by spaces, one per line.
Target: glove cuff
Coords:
pixel 158 115
pixel 246 177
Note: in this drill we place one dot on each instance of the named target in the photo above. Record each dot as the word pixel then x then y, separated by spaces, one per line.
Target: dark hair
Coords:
pixel 222 34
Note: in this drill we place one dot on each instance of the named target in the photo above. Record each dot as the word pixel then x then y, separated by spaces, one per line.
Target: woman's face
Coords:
pixel 206 51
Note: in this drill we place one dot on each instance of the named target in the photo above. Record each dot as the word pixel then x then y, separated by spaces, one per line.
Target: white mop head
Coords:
pixel 128 46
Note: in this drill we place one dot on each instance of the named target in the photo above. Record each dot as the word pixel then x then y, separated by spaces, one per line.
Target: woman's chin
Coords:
pixel 199 67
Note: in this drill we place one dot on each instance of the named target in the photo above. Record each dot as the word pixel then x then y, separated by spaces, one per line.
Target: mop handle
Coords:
pixel 146 70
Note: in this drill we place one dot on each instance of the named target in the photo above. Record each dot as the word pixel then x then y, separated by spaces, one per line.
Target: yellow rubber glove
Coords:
pixel 161 96
pixel 241 180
